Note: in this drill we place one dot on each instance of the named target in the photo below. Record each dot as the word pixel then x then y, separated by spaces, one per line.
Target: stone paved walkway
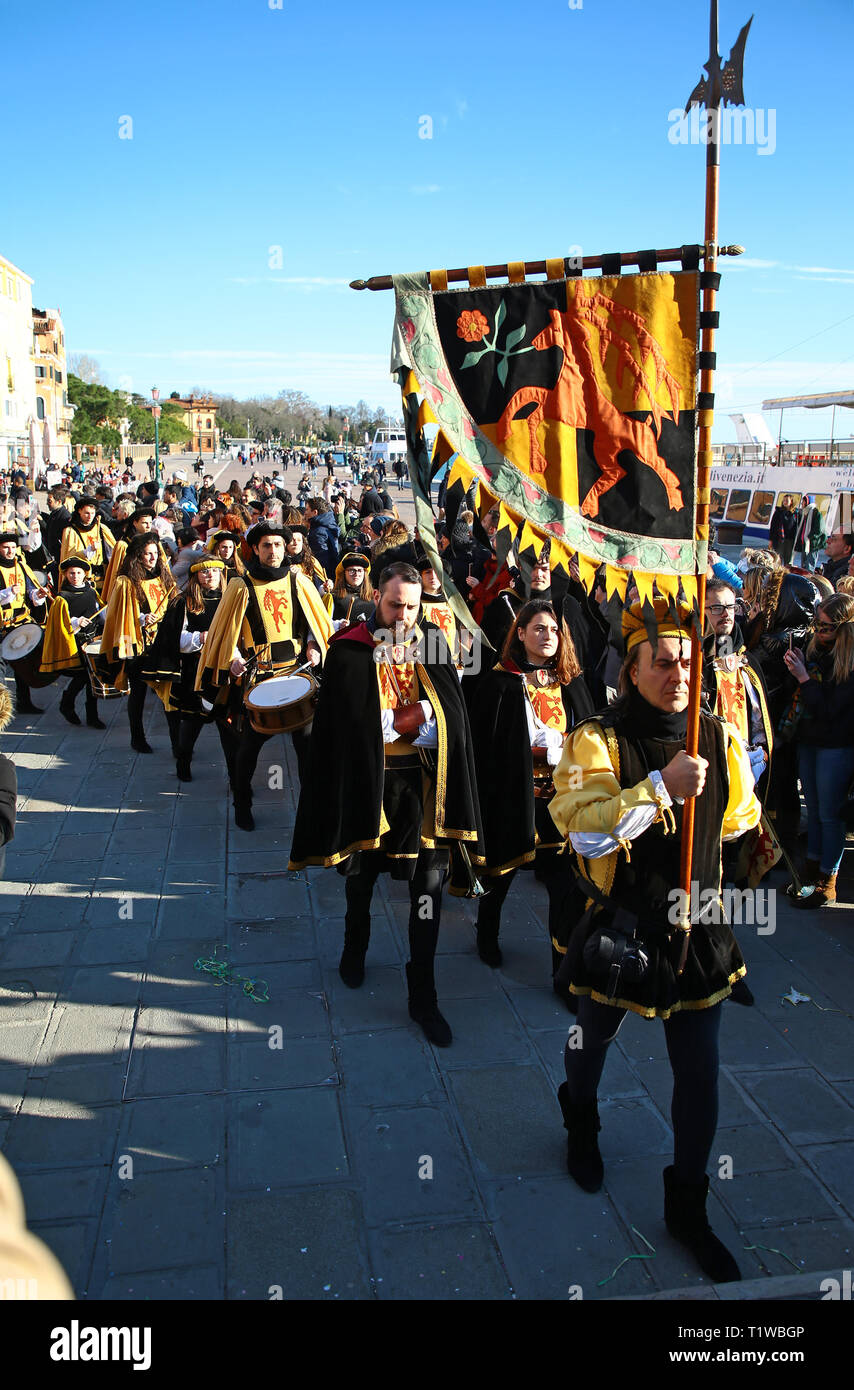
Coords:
pixel 256 1167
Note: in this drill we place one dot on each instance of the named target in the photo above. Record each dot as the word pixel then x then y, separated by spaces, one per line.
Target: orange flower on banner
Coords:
pixel 472 326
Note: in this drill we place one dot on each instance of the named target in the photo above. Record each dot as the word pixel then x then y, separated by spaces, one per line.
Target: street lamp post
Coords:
pixel 155 395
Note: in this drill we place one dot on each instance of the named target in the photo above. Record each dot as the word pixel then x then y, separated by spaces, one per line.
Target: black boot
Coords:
pixel 487 946
pixel 139 743
pixel 23 702
pixel 92 719
pixel 182 766
pixel 686 1220
pixel 173 721
pixel 67 710
pixel 423 1006
pixel 243 818
pixel 351 966
pixel 582 1124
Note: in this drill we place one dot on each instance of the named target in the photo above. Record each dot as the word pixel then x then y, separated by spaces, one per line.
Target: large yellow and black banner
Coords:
pixel 572 403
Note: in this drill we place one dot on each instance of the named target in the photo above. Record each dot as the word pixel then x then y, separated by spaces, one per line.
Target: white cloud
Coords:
pixel 420 189
pixel 825 279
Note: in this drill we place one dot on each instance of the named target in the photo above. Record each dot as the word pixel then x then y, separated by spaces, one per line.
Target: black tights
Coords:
pixel 249 745
pixel 692 1046
pixel 184 730
pixel 136 703
pixel 425 907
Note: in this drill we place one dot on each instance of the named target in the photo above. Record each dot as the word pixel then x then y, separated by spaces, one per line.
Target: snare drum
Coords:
pixel 281 704
pixel 22 648
pixel 100 673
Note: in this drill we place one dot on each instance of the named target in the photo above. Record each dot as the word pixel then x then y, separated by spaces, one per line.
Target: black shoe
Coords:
pixel 92 720
pixel 437 1030
pixel 423 1006
pixel 351 967
pixel 69 712
pixel 182 767
pixel 27 707
pixel 243 818
pixel 582 1124
pixel 141 744
pixel 488 949
pixel 686 1220
pixel 741 993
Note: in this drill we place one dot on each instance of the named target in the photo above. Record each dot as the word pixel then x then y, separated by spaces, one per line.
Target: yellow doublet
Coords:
pixel 600 803
pixel 91 546
pixel 274 603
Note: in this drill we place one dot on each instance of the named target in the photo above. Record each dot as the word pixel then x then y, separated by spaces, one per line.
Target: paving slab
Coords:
pixel 297 1246
pixel 834 1166
pixel 444 1263
pixel 419 1168
pixel 485 1029
pixel 158 1220
pixel 285 1137
pixel 169 1134
pixel 801 1105
pixel 579 1241
pixel 178 1051
pixel 255 1065
pixel 379 1069
pixel 510 1119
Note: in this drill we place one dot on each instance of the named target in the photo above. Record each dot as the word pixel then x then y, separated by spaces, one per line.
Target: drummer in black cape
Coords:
pixel 270 622
pixel 187 714
pixel 523 709
pixel 73 622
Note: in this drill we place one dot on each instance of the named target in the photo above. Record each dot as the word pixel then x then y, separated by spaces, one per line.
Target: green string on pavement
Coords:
pixel 224 975
pixel 772 1251
pixel 613 1275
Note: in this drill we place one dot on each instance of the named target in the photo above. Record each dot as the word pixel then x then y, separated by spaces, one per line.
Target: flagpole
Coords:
pixel 704 456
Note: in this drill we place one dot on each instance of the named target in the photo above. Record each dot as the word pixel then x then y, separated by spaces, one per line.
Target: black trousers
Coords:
pixel 692 1046
pixel 425 905
pixel 137 690
pixel 80 681
pixel 184 730
pixel 247 748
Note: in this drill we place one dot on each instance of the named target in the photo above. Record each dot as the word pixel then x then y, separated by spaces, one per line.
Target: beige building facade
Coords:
pixel 20 433
pixel 53 412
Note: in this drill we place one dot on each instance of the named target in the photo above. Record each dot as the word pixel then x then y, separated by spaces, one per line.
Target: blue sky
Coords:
pixel 298 127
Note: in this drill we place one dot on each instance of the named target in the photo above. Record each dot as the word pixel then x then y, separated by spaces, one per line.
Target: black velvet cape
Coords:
pixel 340 809
pixel 505 766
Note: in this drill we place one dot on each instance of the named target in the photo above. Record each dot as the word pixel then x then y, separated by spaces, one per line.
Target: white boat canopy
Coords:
pixel 845 398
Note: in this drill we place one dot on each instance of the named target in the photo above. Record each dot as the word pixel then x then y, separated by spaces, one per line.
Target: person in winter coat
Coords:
pixel 809 535
pixel 823 712
pixel 324 538
pixel 787 608
pixel 781 532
